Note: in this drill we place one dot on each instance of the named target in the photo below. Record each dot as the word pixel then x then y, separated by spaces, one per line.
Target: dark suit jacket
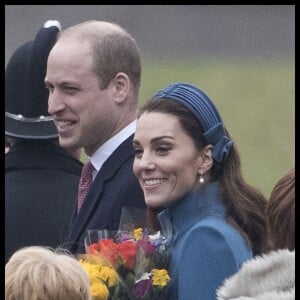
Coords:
pixel 41 183
pixel 114 187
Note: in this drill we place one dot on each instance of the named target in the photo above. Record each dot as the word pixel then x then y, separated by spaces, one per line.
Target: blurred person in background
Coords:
pixel 8 142
pixel 93 77
pixel 41 178
pixel 270 276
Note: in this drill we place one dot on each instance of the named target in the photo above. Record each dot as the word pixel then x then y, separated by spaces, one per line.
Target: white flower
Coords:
pixel 154 237
pixel 145 276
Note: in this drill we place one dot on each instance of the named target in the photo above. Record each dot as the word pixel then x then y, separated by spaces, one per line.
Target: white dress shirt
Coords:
pixel 105 151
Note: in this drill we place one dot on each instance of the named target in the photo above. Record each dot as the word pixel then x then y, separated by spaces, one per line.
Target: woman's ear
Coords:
pixel 122 87
pixel 206 159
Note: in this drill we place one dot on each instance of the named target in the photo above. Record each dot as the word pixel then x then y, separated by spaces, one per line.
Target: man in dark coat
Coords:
pixel 93 77
pixel 41 178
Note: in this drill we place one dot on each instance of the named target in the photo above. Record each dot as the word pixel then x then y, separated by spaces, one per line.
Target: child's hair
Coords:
pixel 42 273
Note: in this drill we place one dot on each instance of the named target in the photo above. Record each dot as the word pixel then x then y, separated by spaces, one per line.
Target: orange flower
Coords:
pixel 107 249
pixel 127 251
pixel 123 267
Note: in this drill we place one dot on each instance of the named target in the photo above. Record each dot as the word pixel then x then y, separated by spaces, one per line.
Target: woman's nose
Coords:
pixel 147 161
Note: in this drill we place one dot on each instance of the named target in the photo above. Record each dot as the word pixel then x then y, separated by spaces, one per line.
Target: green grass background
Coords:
pixel 256 99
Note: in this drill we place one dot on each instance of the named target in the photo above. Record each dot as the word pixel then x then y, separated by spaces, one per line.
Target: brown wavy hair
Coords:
pixel 245 204
pixel 281 213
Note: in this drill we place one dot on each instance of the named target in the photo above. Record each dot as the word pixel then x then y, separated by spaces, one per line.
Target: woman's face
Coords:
pixel 166 160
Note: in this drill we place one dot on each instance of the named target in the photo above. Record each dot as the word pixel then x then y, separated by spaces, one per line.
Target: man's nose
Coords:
pixel 55 103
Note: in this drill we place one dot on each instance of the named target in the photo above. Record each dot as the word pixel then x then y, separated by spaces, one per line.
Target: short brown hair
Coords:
pixel 114 50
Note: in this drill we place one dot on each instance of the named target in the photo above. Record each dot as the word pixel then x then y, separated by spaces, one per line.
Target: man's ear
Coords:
pixel 122 87
pixel 206 159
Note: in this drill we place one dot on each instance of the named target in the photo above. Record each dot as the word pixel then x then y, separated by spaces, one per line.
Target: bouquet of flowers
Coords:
pixel 127 264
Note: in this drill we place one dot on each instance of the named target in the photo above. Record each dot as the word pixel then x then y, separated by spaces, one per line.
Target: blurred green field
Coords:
pixel 256 100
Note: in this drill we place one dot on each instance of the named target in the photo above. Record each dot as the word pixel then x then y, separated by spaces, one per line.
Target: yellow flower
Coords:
pixel 99 291
pixel 160 277
pixel 114 264
pixel 138 234
pixel 109 275
pixel 93 270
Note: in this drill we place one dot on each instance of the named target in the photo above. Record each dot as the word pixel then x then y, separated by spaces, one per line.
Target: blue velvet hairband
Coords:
pixel 205 111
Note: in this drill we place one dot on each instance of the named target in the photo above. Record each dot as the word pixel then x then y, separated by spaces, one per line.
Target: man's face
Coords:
pixel 83 113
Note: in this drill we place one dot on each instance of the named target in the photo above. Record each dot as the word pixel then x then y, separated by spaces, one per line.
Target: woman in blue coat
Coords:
pixel 188 165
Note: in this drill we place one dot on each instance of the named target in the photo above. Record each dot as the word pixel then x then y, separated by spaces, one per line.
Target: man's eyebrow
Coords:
pixel 62 83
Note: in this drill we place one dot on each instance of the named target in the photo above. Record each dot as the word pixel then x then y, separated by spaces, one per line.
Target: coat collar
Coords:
pixel 192 207
pixel 197 204
pixel 41 155
pixel 120 156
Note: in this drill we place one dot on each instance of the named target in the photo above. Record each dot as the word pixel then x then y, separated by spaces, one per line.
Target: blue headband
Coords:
pixel 206 113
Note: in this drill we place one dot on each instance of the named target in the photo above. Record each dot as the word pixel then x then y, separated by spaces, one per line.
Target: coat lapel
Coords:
pixel 108 170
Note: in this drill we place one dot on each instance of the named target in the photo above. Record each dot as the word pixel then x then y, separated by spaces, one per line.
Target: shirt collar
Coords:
pixel 104 152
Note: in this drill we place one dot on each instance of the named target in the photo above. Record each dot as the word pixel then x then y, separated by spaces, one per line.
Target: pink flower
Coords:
pixel 142 288
pixel 146 246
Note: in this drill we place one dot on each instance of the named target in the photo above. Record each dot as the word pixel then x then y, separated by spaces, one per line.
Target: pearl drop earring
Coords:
pixel 201 179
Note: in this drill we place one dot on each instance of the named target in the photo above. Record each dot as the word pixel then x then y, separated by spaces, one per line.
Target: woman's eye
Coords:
pixel 138 152
pixel 162 150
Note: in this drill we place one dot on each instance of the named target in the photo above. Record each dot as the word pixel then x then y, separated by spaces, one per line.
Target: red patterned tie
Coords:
pixel 85 183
